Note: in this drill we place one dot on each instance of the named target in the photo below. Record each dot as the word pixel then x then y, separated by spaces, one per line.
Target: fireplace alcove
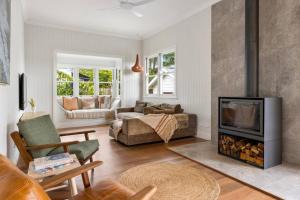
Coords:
pixel 250 130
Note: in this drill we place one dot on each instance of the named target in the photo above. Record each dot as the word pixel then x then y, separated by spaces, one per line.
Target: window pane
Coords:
pixel 64 75
pixel 86 75
pixel 64 79
pixel 152 85
pixel 105 75
pixel 64 89
pixel 86 88
pixel 105 88
pixel 86 82
pixel 152 66
pixel 168 84
pixel 168 62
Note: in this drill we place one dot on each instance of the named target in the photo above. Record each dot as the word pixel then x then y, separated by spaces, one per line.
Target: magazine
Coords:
pixel 50 169
pixel 52 161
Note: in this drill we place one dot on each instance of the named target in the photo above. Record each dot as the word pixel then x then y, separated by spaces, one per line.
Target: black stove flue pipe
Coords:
pixel 252 47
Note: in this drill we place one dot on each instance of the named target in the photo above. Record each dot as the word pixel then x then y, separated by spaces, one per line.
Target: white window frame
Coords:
pixel 115 92
pixel 159 74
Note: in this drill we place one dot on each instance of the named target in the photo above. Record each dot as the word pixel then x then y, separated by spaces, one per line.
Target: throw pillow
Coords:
pixel 139 106
pixel 88 103
pixel 104 101
pixel 70 103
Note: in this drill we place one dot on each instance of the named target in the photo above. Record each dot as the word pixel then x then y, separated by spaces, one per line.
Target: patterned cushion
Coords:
pixel 88 103
pixel 82 150
pixel 70 103
pixel 104 101
pixel 39 131
pixel 139 106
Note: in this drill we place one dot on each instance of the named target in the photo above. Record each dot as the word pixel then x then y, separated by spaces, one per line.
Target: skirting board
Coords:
pixel 73 123
pixel 204 132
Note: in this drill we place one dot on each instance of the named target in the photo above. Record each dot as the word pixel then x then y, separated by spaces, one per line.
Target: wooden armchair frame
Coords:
pixel 26 155
pixel 144 194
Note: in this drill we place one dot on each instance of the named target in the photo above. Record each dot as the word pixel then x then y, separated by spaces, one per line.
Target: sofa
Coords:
pixel 135 132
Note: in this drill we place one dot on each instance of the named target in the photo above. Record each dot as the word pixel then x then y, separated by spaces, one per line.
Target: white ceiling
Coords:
pixel 84 15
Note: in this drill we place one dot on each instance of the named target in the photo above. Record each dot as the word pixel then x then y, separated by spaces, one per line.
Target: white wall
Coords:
pixel 41 44
pixel 9 94
pixel 192 38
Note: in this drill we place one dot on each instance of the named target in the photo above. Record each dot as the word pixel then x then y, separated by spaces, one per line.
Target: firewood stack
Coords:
pixel 242 149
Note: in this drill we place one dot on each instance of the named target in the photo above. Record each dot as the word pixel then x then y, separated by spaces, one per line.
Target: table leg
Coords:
pixel 73 186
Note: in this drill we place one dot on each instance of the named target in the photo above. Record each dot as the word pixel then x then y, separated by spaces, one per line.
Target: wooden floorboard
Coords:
pixel 118 158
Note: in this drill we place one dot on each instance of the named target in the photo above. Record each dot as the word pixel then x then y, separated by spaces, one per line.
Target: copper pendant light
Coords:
pixel 136 67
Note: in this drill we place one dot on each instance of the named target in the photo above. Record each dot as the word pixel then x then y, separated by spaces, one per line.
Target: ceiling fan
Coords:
pixel 129 6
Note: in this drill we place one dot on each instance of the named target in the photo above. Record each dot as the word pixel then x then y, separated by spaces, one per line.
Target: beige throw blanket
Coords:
pixel 163 124
pixel 117 127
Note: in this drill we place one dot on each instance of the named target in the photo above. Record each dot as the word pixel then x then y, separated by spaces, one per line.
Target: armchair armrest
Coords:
pixel 85 133
pixel 46 146
pixel 144 194
pixel 120 110
pixel 57 179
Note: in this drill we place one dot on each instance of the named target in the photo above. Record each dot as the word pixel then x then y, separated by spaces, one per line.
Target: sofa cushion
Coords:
pixel 176 107
pixel 163 108
pixel 82 150
pixel 129 115
pixel 37 131
pixel 88 103
pixel 104 101
pixel 139 106
pixel 70 103
pixel 87 114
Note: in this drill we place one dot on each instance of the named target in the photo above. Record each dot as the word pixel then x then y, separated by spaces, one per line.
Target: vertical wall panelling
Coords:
pixel 191 38
pixel 41 44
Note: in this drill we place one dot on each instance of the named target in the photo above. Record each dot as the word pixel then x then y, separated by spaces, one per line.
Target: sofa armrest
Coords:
pixel 193 121
pixel 121 110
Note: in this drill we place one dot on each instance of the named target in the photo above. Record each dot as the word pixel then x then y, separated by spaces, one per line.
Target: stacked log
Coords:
pixel 243 149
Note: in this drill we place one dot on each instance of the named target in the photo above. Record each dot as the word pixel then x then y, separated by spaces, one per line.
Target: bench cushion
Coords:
pixel 87 114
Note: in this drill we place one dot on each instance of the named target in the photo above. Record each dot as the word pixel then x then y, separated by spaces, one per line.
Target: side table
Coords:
pixel 40 176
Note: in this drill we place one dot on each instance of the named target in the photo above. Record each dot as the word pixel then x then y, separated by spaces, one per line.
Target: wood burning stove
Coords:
pixel 250 130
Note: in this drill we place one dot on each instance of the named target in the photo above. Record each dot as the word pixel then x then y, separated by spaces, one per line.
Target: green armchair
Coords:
pixel 38 137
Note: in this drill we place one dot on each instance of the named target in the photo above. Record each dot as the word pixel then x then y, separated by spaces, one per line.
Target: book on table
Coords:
pixel 52 161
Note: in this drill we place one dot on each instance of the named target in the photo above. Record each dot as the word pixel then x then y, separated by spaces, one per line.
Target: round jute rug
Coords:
pixel 173 182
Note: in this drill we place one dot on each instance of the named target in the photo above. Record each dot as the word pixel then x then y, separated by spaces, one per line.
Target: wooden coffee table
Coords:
pixel 40 176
